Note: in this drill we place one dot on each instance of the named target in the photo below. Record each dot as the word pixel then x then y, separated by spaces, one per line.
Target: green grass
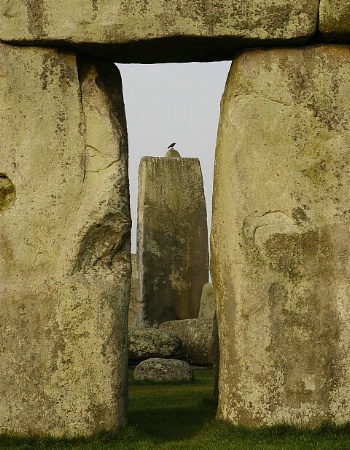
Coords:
pixel 181 416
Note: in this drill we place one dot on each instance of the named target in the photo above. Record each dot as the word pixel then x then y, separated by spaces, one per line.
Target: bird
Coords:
pixel 172 145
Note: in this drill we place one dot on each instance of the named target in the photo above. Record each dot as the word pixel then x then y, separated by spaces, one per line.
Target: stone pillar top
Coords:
pixel 172 153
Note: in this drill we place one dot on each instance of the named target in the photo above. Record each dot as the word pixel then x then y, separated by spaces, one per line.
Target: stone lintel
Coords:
pixel 158 30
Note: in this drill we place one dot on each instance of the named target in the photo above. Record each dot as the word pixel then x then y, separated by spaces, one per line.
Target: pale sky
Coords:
pixel 168 103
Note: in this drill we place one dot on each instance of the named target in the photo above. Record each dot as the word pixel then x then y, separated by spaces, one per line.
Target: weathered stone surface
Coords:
pixel 64 244
pixel 196 337
pixel 207 306
pixel 146 343
pixel 281 228
pixel 157 30
pixel 172 241
pixel 215 357
pixel 163 370
pixel 335 19
pixel 133 304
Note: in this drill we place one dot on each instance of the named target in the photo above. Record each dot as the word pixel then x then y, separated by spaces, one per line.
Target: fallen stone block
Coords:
pixel 196 337
pixel 163 370
pixel 144 343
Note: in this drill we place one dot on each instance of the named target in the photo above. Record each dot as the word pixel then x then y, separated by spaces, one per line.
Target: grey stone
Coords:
pixel 146 343
pixel 163 370
pixel 172 239
pixel 196 337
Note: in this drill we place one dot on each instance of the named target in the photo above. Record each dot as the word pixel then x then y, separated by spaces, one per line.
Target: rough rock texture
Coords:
pixel 133 304
pixel 281 228
pixel 146 343
pixel 157 30
pixel 335 19
pixel 196 337
pixel 64 244
pixel 207 306
pixel 215 357
pixel 163 370
pixel 172 241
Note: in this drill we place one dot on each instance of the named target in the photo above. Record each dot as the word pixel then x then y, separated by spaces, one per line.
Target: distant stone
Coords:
pixel 207 308
pixel 172 239
pixel 133 304
pixel 196 337
pixel 146 343
pixel 163 370
pixel 215 357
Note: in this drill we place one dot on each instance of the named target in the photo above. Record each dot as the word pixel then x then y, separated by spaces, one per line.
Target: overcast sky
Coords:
pixel 168 103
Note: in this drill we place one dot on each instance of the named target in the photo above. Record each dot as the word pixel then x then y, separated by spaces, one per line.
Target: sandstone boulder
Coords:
pixel 144 343
pixel 157 30
pixel 196 337
pixel 163 370
pixel 280 234
pixel 64 243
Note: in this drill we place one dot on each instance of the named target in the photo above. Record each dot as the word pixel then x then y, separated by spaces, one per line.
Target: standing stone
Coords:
pixel 133 304
pixel 64 244
pixel 207 307
pixel 280 237
pixel 172 241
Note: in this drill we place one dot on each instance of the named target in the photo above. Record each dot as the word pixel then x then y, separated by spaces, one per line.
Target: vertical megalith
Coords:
pixel 64 243
pixel 133 303
pixel 280 237
pixel 207 306
pixel 172 242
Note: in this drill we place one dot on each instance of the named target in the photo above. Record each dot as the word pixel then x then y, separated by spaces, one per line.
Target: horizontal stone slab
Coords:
pixel 335 19
pixel 158 30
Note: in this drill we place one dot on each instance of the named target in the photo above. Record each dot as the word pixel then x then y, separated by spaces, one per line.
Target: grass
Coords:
pixel 181 416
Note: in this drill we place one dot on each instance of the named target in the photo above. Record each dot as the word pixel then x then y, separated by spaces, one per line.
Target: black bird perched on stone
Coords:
pixel 172 145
